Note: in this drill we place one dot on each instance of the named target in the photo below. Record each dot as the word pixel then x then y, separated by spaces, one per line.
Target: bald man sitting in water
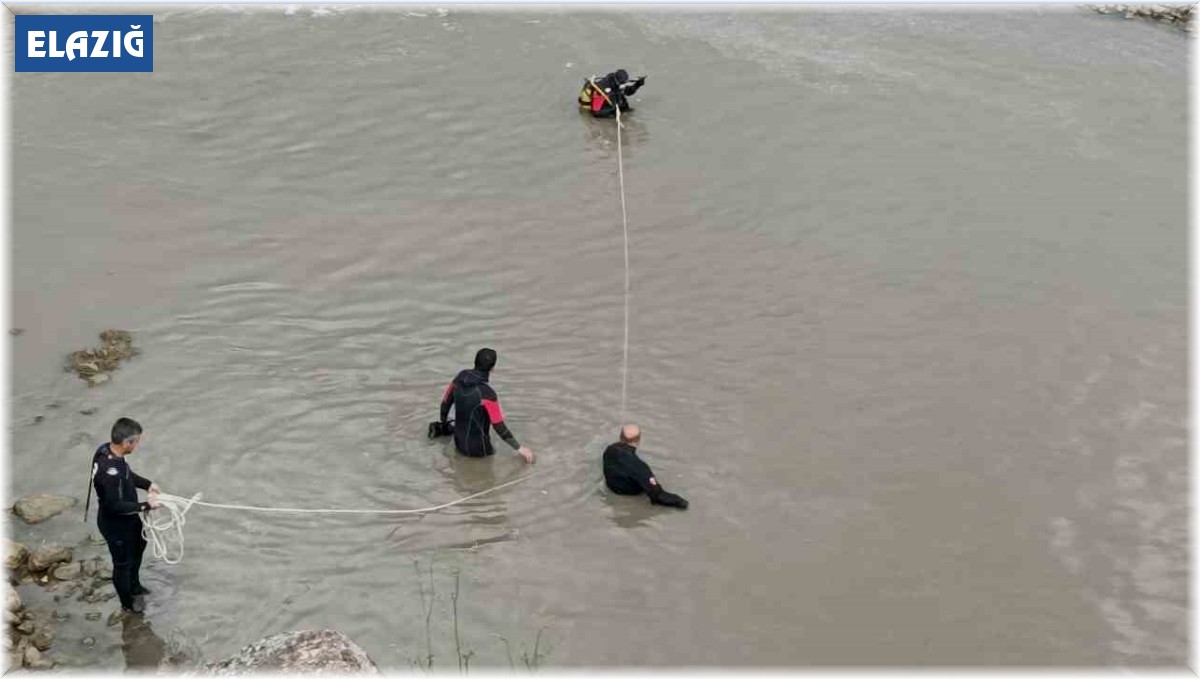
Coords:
pixel 626 474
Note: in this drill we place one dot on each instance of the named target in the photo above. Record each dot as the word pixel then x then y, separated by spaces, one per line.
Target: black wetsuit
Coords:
pixel 476 408
pixel 116 494
pixel 627 474
pixel 614 92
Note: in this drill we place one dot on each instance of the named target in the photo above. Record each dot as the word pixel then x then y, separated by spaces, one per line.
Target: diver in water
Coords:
pixel 476 410
pixel 602 95
pixel 626 474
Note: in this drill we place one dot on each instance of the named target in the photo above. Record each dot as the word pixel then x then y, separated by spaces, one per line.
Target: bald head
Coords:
pixel 631 433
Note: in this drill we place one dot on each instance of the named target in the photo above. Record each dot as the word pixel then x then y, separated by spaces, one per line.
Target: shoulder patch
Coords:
pixel 112 471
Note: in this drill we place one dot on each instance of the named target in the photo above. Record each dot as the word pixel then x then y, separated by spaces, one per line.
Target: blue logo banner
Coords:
pixel 84 43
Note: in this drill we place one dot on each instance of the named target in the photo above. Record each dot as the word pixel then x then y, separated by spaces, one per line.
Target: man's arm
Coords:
pixel 111 498
pixel 496 416
pixel 140 481
pixel 492 406
pixel 640 472
pixel 447 401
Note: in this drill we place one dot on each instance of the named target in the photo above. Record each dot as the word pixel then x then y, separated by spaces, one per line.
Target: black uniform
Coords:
pixel 599 94
pixel 116 494
pixel 627 474
pixel 476 408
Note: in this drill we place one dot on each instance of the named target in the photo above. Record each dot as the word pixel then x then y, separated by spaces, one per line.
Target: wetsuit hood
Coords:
pixel 473 377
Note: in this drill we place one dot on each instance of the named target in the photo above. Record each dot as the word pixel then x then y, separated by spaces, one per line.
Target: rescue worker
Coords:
pixel 476 411
pixel 627 474
pixel 601 95
pixel 118 508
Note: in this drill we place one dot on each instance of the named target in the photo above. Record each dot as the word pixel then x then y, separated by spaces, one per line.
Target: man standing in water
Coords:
pixel 476 409
pixel 117 517
pixel 626 474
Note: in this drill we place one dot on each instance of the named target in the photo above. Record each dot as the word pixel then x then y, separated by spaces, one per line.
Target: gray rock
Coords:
pixel 98 379
pixel 42 639
pixel 89 641
pixel 47 555
pixel 307 652
pixel 88 411
pixel 38 508
pixel 15 555
pixel 89 567
pixel 68 571
pixel 12 600
pixel 104 571
pixel 26 627
pixel 93 616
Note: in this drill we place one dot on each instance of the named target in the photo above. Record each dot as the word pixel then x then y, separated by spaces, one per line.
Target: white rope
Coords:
pixel 625 232
pixel 163 531
pixel 157 528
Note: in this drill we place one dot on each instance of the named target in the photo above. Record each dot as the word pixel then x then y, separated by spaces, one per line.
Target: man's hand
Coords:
pixel 640 81
pixel 153 504
pixel 526 453
pixel 154 489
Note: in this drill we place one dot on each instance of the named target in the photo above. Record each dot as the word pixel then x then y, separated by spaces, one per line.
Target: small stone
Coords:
pixel 38 508
pixel 15 555
pixel 104 571
pixel 16 332
pixel 93 616
pixel 68 571
pixel 37 419
pixel 92 598
pixel 96 538
pixel 48 555
pixel 88 411
pixel 26 627
pixel 61 616
pixel 90 641
pixel 114 618
pixel 98 379
pixel 42 640
pixel 107 596
pixel 89 568
pixel 12 600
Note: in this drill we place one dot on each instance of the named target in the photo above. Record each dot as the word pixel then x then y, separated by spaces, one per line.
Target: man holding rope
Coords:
pixel 117 517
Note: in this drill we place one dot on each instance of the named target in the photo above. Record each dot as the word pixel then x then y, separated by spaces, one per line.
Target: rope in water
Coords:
pixel 158 527
pixel 625 233
pixel 164 527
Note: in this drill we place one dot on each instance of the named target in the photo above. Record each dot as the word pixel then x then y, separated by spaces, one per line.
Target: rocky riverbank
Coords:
pixel 1176 15
pixel 70 586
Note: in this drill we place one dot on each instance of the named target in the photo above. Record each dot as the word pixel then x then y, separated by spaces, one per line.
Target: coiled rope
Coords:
pixel 163 528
